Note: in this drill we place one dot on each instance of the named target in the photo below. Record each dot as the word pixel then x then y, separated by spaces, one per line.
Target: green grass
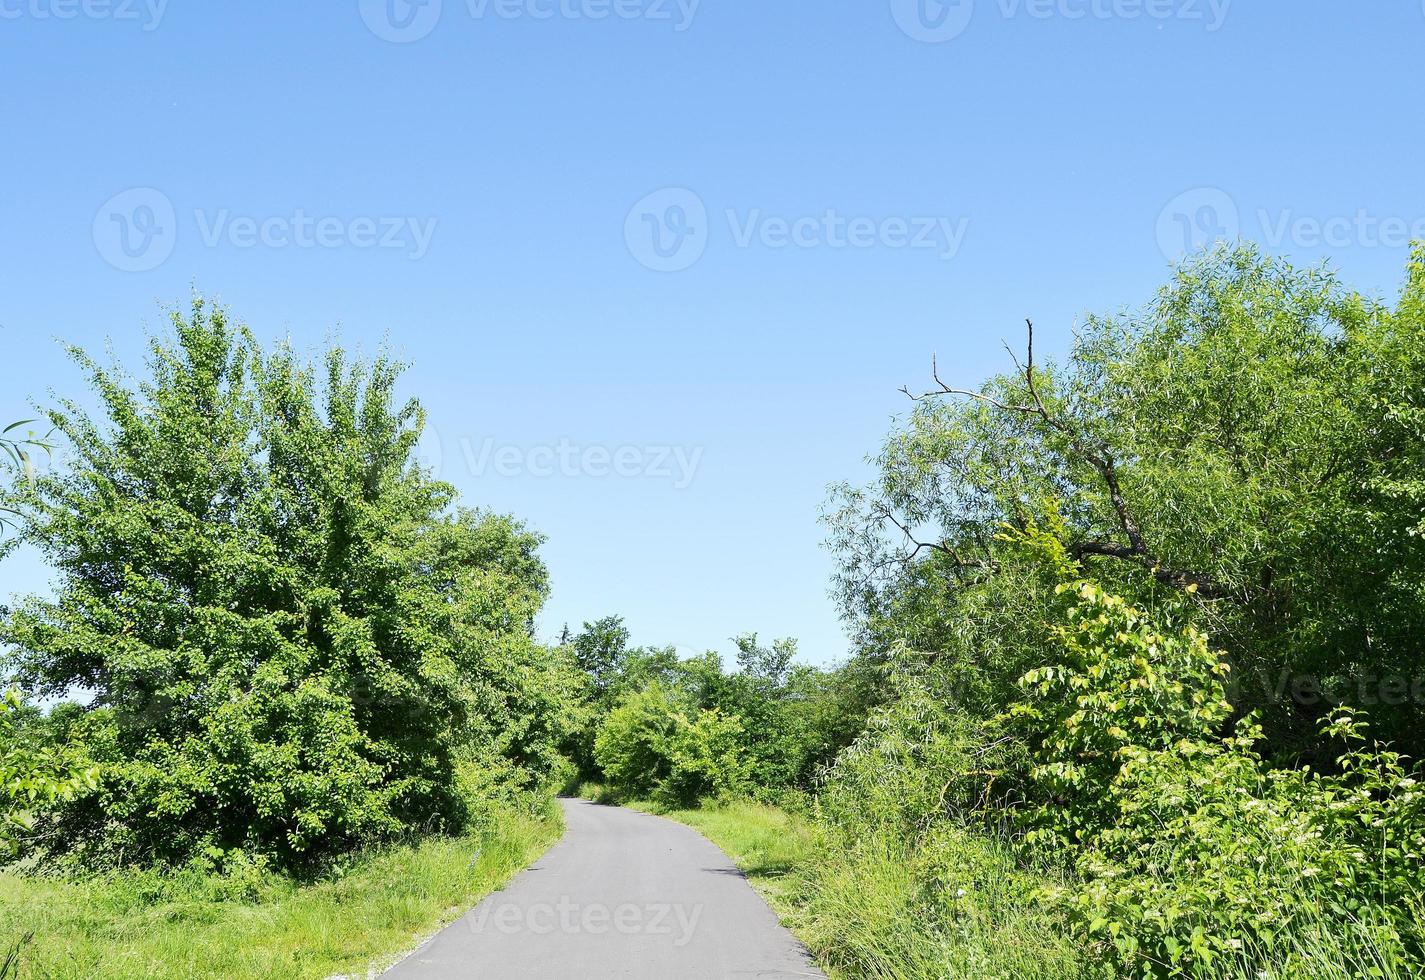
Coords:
pixel 957 906
pixel 953 905
pixel 768 844
pixel 381 907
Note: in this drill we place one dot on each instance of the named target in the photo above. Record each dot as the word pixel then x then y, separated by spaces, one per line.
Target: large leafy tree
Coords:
pixel 1254 440
pixel 290 636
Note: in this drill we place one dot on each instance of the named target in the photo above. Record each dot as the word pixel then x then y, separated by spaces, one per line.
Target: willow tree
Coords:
pixel 1252 441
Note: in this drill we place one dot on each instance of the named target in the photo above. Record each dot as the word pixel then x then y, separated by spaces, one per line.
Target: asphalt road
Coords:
pixel 624 895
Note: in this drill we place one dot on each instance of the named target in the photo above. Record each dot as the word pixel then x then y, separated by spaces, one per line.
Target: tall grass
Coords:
pixel 131 926
pixel 955 906
pixel 1342 946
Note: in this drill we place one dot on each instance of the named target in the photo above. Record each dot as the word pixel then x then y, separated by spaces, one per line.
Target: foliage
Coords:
pixel 1256 433
pixel 1053 574
pixel 33 776
pixel 1109 612
pixel 1171 851
pixel 1219 860
pixel 17 455
pixel 600 649
pixel 1122 682
pixel 765 665
pixel 1193 850
pixel 291 635
pixel 654 745
pixel 794 717
pixel 914 763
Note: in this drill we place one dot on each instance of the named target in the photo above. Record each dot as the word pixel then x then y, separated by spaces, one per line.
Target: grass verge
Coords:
pixel 384 904
pixel 952 904
pixel 957 905
pixel 768 844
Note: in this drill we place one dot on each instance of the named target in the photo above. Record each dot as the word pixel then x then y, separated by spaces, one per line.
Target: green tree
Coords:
pixel 291 634
pixel 769 665
pixel 1253 440
pixel 793 718
pixel 600 648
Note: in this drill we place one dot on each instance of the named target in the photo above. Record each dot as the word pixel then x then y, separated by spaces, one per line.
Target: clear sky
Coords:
pixel 660 267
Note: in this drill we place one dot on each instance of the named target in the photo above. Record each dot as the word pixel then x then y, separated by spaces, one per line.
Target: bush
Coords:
pixel 33 777
pixel 653 746
pixel 1216 859
pixel 907 771
pixel 1126 681
pixel 1192 854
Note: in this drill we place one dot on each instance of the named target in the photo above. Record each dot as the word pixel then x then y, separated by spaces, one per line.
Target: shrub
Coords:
pixel 1192 854
pixel 911 767
pixel 1219 860
pixel 33 777
pixel 652 745
pixel 1126 681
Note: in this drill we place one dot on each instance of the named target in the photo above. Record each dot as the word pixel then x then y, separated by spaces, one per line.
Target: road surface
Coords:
pixel 624 895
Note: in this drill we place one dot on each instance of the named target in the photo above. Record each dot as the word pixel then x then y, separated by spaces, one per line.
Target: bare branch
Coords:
pixel 1098 455
pixel 945 389
pixel 956 560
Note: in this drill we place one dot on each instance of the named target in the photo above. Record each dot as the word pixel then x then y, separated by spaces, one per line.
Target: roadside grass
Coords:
pixel 957 905
pixel 384 904
pixel 954 904
pixel 767 843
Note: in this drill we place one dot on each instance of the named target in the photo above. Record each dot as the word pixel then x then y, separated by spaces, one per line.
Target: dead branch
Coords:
pixel 1099 455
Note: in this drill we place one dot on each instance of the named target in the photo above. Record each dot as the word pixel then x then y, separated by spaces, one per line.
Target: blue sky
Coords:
pixel 660 267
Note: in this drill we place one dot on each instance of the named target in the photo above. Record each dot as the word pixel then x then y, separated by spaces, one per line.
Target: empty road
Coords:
pixel 624 895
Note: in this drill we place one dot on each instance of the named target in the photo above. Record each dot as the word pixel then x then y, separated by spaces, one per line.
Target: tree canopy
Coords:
pixel 289 634
pixel 1254 438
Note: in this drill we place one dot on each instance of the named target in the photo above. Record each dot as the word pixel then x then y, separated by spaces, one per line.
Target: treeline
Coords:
pixel 681 731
